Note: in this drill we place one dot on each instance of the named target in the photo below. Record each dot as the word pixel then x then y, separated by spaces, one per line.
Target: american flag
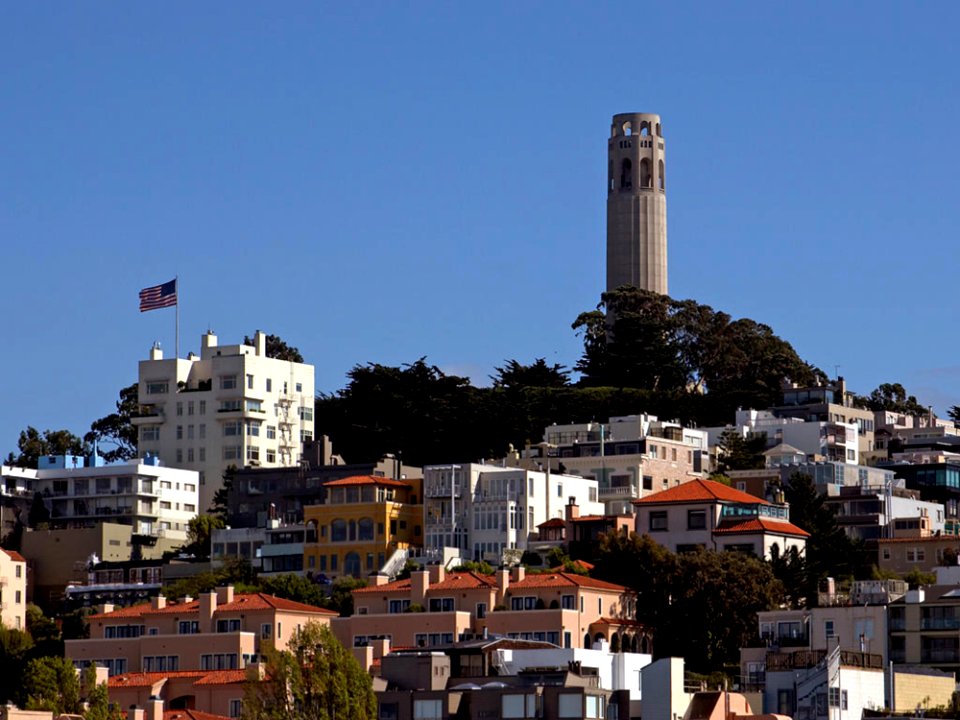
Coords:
pixel 159 296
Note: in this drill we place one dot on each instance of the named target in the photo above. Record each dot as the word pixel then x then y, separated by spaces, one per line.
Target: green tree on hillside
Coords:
pixel 277 348
pixel 315 679
pixel 117 428
pixel 34 444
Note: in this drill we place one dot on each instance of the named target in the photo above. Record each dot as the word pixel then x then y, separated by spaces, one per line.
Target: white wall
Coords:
pixel 617 671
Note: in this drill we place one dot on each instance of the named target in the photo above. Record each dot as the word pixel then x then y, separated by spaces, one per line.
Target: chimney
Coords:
pixel 158 603
pixel 155 352
pixel 208 606
pixel 209 340
pixel 437 573
pixel 380 579
pixel 519 572
pixel 225 594
pixel 136 713
pixel 105 608
pixel 260 343
pixel 503 582
pixel 154 708
pixel 572 509
pixel 419 582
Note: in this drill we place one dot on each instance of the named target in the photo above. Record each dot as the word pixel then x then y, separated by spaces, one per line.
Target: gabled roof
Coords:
pixel 700 491
pixel 758 525
pixel 223 677
pixel 149 679
pixel 15 556
pixel 241 602
pixel 356 480
pixel 564 579
pixel 191 715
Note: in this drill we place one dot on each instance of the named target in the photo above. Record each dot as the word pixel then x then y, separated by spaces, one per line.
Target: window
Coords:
pixel 594 706
pixel 202 454
pixel 188 507
pixel 232 428
pixel 254 406
pixel 570 705
pixel 306 413
pixel 271 432
pixel 568 602
pixel 236 707
pixel 232 452
pixel 150 433
pixel 658 521
pixel 696 519
pixel 19 571
pixel 228 625
pixel 179 409
pixel 157 387
pixel 161 663
pixel 203 407
pixel 518 706
pixel 189 454
pixel 398 606
pixel 250 382
pixel 266 631
pixel 228 382
pixel 441 604
pixel 218 661
pixel 269 385
pixel 188 627
pixel 648 482
pixel 298 387
pixel 253 428
pixel 828 628
pixel 179 455
pixel 271 456
pixel 427 709
pixel 481 610
pixel 179 432
pixel 559 489
pixel 190 407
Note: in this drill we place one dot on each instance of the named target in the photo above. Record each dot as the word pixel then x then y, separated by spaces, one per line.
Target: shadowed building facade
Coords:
pixel 636 204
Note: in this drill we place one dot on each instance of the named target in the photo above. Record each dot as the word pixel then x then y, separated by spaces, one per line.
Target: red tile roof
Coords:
pixel 191 715
pixel 564 579
pixel 453 581
pixel 583 564
pixel 756 525
pixel 698 491
pixel 355 480
pixel 223 677
pixel 15 556
pixel 589 518
pixel 241 602
pixel 552 523
pixel 149 679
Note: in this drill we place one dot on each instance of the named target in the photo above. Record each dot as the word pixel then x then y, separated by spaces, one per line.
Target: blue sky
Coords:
pixel 383 182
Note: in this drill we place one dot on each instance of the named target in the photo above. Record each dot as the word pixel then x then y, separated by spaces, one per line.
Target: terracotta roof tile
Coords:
pixel 191 715
pixel 223 677
pixel 148 679
pixel 252 601
pixel 583 564
pixel 755 525
pixel 395 586
pixel 552 523
pixel 464 581
pixel 356 480
pixel 700 490
pixel 564 579
pixel 15 556
pixel 589 518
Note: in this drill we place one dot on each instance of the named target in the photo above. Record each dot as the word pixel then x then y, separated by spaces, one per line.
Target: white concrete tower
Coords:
pixel 636 204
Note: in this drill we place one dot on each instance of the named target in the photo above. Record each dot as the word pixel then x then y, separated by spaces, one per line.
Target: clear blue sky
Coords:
pixel 383 182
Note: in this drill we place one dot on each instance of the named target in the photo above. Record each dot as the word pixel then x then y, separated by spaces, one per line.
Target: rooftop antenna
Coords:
pixel 836 371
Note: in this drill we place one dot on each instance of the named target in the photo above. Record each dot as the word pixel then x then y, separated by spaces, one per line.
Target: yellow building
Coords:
pixel 363 521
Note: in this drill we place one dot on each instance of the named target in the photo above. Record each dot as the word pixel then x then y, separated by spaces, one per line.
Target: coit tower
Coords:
pixel 636 203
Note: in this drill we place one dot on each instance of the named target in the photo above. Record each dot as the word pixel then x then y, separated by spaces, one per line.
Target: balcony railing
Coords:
pixel 941 623
pixel 940 656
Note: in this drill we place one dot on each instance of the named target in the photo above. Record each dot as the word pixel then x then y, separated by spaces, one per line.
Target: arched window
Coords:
pixel 338 531
pixel 586 641
pixel 610 177
pixel 365 528
pixel 311 534
pixel 663 180
pixel 646 179
pixel 351 564
pixel 353 529
pixel 626 174
pixel 645 129
pixel 659 134
pixel 627 129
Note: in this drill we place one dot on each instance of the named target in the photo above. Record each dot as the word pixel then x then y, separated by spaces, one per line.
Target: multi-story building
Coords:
pixel 13 590
pixel 816 439
pixel 924 628
pixel 708 514
pixel 231 406
pixel 219 631
pixel 831 403
pixel 207 695
pixel 257 494
pixel 487 510
pixel 630 456
pixel 364 520
pixel 433 607
pixel 156 501
pixel 935 474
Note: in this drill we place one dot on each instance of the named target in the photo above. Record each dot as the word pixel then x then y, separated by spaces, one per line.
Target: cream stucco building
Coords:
pixel 13 590
pixel 232 405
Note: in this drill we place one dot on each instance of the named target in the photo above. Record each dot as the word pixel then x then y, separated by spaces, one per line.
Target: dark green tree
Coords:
pixel 829 551
pixel 15 651
pixel 38 514
pixel 99 706
pixel 277 348
pixel 221 498
pixel 892 397
pixel 741 453
pixel 315 679
pixel 294 587
pixel 538 374
pixel 50 683
pixel 341 594
pixel 34 444
pixel 200 534
pixel 44 632
pixel 791 570
pixel 117 428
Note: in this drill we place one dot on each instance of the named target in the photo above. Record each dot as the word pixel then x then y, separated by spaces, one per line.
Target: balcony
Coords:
pixel 940 656
pixel 624 491
pixel 941 623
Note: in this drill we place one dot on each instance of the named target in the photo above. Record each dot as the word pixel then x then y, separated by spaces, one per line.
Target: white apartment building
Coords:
pixel 490 509
pixel 13 590
pixel 155 501
pixel 817 439
pixel 232 405
pixel 630 456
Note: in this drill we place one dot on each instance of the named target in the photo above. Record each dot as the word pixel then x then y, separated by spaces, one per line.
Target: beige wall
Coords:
pixel 13 591
pixel 913 690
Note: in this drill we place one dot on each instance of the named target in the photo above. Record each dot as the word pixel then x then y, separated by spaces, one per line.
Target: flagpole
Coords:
pixel 176 289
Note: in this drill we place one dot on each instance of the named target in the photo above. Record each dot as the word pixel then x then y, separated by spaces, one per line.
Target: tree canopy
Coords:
pixel 316 678
pixel 117 428
pixel 34 444
pixel 277 348
pixel 892 397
